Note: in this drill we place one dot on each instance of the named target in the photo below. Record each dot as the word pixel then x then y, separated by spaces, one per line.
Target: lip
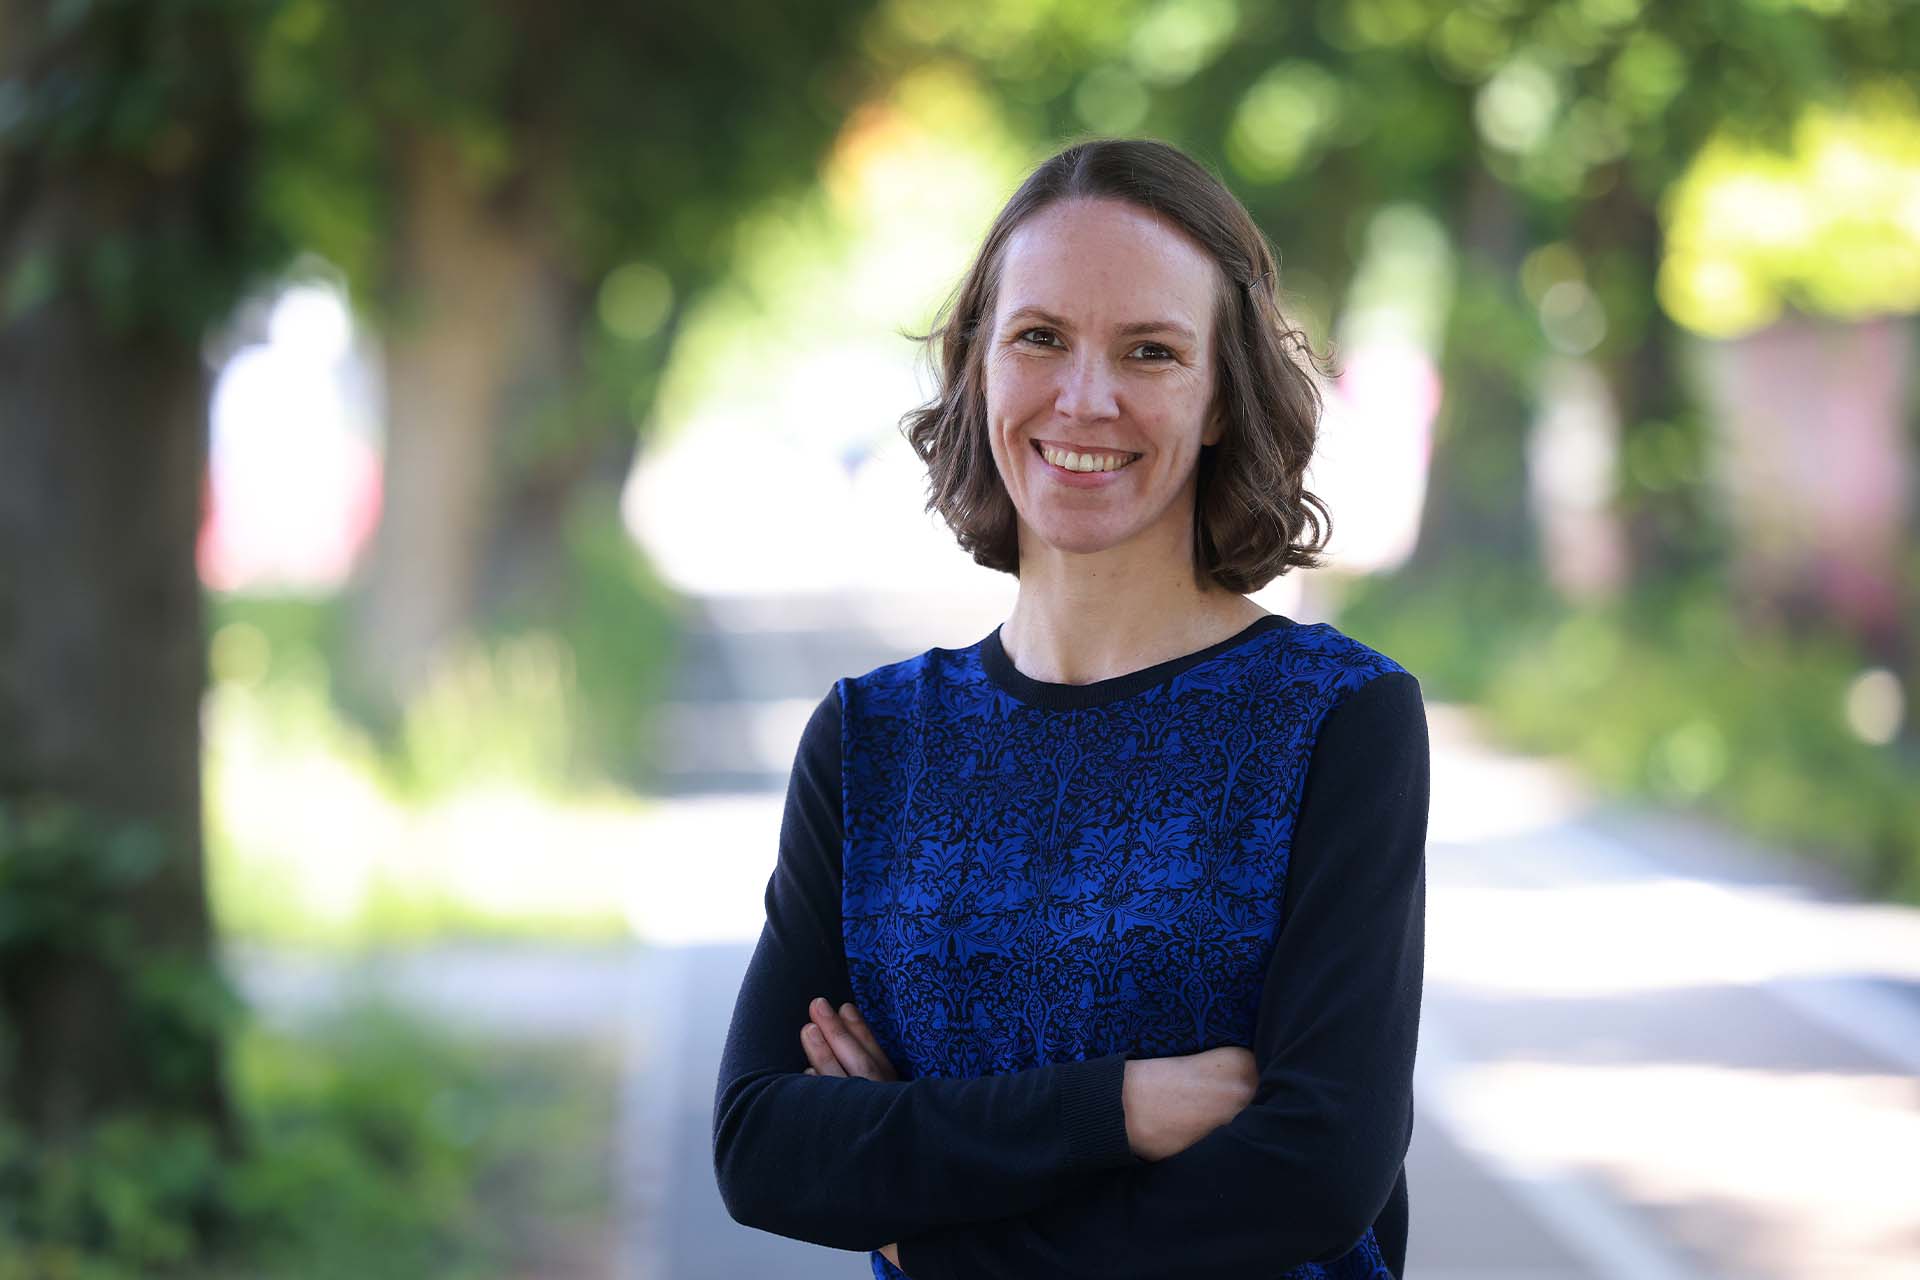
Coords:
pixel 1078 479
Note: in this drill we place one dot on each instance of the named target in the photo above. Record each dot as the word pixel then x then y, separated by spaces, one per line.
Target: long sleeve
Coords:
pixel 1300 1174
pixel 857 1164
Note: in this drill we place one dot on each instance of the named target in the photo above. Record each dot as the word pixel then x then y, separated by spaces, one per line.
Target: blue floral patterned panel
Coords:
pixel 1025 885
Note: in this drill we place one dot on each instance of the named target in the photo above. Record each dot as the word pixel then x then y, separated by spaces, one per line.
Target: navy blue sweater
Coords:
pixel 1021 885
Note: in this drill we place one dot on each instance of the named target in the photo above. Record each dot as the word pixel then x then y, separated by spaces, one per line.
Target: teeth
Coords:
pixel 1086 461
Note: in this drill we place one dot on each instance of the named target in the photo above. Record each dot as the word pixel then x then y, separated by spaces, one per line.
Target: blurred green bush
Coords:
pixel 370 1146
pixel 1671 698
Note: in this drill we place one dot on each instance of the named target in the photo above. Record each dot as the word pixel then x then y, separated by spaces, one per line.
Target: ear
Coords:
pixel 1215 429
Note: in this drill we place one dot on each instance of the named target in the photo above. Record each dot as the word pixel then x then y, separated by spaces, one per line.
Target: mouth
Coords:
pixel 1041 453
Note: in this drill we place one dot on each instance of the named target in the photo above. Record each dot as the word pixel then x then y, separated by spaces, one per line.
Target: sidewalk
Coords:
pixel 1687 1056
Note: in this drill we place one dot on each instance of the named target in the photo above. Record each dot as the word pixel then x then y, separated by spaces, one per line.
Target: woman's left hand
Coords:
pixel 841 1044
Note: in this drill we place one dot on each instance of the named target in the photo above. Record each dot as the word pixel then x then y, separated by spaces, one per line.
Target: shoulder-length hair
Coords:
pixel 1253 517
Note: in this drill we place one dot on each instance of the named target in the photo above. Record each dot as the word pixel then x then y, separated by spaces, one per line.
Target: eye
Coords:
pixel 1154 351
pixel 1026 335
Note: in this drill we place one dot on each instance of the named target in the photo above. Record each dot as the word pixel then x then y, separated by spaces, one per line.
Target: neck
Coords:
pixel 1082 618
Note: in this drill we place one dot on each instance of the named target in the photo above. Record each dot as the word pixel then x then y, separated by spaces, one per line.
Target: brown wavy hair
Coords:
pixel 1253 518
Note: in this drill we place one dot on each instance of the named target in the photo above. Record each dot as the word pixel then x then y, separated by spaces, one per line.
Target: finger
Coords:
pixel 864 1033
pixel 809 1072
pixel 850 1052
pixel 847 1050
pixel 811 1047
pixel 881 1067
pixel 818 1052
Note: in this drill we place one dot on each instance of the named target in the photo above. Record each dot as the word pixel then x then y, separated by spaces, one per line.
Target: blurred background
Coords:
pixel 447 449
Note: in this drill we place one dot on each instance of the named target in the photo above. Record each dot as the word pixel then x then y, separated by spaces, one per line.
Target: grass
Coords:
pixel 310 842
pixel 503 805
pixel 375 1148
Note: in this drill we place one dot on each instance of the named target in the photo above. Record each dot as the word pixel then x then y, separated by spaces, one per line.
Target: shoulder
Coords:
pixel 895 687
pixel 1372 707
pixel 1343 668
pixel 1323 647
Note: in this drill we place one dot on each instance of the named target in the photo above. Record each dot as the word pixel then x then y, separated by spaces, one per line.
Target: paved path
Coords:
pixel 1647 1050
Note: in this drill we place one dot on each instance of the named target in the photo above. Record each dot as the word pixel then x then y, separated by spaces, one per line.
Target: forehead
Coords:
pixel 1105 261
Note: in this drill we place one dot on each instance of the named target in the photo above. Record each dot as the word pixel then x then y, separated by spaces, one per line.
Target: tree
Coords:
pixel 125 150
pixel 522 197
pixel 158 163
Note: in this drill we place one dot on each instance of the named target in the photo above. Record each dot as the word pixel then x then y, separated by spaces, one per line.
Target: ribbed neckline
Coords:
pixel 1067 697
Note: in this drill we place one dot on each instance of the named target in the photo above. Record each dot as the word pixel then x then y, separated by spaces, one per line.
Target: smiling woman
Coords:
pixel 1095 947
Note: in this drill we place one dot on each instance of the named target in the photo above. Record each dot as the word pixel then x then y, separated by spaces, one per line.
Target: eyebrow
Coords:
pixel 1137 327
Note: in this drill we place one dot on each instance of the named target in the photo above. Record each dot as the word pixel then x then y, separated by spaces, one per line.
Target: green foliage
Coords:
pixel 1585 111
pixel 373 1147
pixel 623 138
pixel 1451 636
pixel 70 879
pixel 361 1146
pixel 1821 228
pixel 1671 698
pixel 129 1196
pixel 126 117
pixel 64 870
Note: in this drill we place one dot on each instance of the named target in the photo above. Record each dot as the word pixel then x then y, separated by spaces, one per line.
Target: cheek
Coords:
pixel 1014 387
pixel 1189 404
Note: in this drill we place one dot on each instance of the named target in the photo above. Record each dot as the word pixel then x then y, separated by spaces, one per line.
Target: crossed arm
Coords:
pixel 1030 1173
pixel 854 1163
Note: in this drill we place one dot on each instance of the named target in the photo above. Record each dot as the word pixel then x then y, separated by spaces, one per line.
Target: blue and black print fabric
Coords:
pixel 1039 873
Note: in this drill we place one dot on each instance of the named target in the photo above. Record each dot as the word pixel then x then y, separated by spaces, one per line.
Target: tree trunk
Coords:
pixel 463 268
pixel 1619 239
pixel 562 436
pixel 101 671
pixel 554 436
pixel 1476 508
pixel 103 400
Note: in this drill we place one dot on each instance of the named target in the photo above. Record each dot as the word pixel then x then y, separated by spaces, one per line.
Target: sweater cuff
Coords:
pixel 1092 1114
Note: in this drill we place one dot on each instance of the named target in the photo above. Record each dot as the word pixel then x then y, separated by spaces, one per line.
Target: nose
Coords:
pixel 1088 390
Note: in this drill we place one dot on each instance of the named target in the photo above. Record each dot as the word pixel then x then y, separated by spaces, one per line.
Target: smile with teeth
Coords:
pixel 1084 461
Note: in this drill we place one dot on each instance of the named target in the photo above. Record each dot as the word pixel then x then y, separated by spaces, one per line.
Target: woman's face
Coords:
pixel 1101 342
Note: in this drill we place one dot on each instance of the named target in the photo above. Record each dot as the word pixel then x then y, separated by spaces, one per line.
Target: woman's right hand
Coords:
pixel 1172 1103
pixel 842 1044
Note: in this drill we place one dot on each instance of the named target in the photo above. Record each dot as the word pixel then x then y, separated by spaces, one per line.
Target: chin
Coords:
pixel 1079 541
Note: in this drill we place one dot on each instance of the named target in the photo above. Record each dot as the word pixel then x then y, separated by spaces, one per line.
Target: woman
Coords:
pixel 1102 935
